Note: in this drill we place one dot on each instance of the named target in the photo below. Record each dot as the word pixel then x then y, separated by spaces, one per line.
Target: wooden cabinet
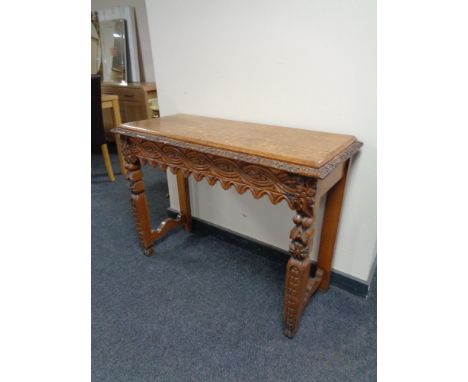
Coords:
pixel 133 102
pixel 133 111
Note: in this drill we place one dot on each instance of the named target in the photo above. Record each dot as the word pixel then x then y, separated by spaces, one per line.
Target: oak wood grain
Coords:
pixel 298 146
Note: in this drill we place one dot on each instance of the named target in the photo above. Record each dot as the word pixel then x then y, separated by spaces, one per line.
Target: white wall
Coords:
pixel 298 63
pixel 145 57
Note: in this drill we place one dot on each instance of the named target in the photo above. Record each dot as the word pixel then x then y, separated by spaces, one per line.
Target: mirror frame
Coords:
pixel 116 72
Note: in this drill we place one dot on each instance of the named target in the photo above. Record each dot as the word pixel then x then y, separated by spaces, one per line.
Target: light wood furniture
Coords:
pixel 154 107
pixel 107 162
pixel 294 165
pixel 111 102
pixel 133 100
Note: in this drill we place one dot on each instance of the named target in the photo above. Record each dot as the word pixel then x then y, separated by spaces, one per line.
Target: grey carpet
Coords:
pixel 203 309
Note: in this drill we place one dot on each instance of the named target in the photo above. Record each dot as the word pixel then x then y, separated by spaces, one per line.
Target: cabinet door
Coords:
pixel 134 111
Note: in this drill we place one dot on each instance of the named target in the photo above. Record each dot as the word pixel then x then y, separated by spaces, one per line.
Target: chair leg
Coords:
pixel 107 162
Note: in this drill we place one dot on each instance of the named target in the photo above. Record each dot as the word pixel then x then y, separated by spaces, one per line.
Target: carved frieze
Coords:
pixel 297 190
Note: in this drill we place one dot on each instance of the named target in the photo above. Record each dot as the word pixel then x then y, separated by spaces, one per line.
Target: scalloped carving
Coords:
pixel 298 191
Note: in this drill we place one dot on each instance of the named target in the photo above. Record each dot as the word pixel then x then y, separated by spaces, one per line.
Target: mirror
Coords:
pixel 113 51
pixel 95 45
pixel 95 50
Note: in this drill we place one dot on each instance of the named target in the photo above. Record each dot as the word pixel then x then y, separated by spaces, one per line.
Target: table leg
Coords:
pixel 184 200
pixel 299 287
pixel 331 220
pixel 140 206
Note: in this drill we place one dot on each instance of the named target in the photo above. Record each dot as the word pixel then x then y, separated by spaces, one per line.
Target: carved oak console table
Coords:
pixel 295 165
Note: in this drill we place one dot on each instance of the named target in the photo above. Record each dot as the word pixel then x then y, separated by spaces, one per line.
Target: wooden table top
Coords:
pixel 304 147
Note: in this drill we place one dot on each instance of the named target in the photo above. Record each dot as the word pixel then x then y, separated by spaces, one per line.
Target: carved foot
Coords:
pixel 288 333
pixel 149 252
pixel 296 296
pixel 298 287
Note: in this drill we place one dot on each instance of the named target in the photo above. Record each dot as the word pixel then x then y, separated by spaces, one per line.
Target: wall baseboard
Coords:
pixel 345 282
